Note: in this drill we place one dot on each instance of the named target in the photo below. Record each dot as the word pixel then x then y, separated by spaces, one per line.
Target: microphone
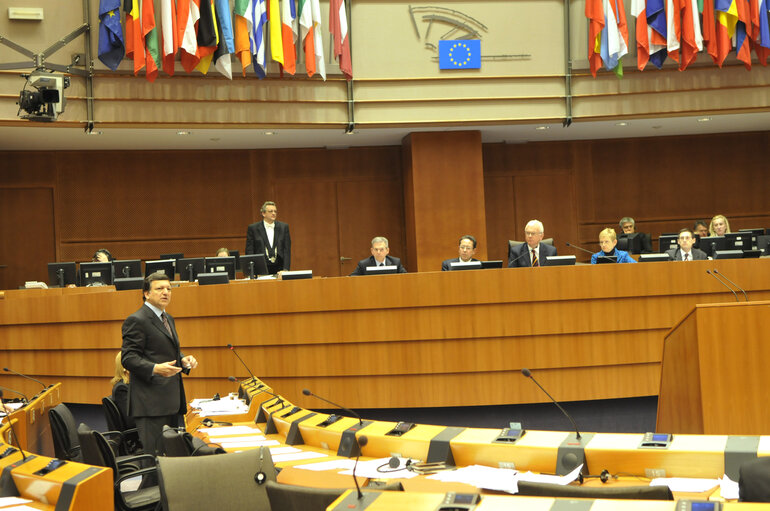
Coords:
pixel 15 392
pixel 13 431
pixel 526 372
pixel 579 248
pixel 731 282
pixel 714 274
pixel 517 259
pixel 253 378
pixel 362 441
pixel 360 422
pixel 24 376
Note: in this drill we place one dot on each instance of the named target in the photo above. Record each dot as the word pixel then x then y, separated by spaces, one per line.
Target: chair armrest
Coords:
pixel 135 460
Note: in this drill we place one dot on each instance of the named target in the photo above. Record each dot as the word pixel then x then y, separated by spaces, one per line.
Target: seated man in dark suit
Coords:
pixel 628 226
pixel 533 252
pixel 466 251
pixel 686 252
pixel 379 257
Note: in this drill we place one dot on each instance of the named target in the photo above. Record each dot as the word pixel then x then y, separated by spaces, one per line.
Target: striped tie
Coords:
pixel 165 323
pixel 535 261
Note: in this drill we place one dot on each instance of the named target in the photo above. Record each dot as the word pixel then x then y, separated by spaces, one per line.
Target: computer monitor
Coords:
pixel 175 256
pixel 489 265
pixel 763 244
pixel 605 259
pixel 712 243
pixel 381 270
pixel 464 265
pixel 190 267
pixel 96 274
pixel 127 268
pixel 755 233
pixel 728 254
pixel 164 265
pixel 739 241
pixel 125 283
pixel 217 277
pixel 649 258
pixel 297 275
pixel 667 242
pixel 237 256
pixel 631 243
pixel 221 264
pixel 62 274
pixel 565 260
pixel 253 265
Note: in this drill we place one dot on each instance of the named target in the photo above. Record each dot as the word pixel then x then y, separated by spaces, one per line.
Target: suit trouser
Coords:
pixel 150 431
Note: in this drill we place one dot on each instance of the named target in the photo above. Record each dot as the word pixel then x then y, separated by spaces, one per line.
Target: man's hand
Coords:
pixel 189 362
pixel 166 369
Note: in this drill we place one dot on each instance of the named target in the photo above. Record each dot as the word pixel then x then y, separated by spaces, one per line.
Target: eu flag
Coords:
pixel 111 45
pixel 459 54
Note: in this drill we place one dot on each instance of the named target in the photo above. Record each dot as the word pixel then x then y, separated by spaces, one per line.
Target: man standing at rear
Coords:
pixel 270 237
pixel 152 356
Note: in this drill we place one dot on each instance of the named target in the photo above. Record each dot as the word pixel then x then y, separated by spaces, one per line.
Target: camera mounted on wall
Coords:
pixel 42 97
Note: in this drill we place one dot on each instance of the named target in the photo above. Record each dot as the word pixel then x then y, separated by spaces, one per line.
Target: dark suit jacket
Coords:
pixel 520 256
pixel 369 261
pixel 256 241
pixel 120 396
pixel 145 343
pixel 696 254
pixel 446 265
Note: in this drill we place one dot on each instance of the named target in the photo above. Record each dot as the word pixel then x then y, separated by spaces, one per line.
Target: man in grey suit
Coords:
pixel 270 237
pixel 466 251
pixel 379 257
pixel 686 252
pixel 533 252
pixel 152 355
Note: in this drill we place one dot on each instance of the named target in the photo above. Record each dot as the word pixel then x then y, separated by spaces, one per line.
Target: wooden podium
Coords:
pixel 714 376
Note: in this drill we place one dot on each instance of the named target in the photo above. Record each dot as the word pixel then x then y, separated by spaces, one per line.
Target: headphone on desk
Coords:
pixel 394 464
pixel 209 423
pixel 604 477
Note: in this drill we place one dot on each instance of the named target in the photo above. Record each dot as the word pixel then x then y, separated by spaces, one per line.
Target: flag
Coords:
pixel 169 34
pixel 187 15
pixel 459 54
pixel 692 38
pixel 614 40
pixel 259 17
pixel 762 33
pixel 709 29
pixel 727 19
pixel 638 10
pixel 338 26
pixel 595 15
pixel 318 46
pixel 743 33
pixel 208 38
pixel 289 35
pixel 150 33
pixel 111 44
pixel 243 25
pixel 673 28
pixel 134 37
pixel 656 20
pixel 274 24
pixel 226 46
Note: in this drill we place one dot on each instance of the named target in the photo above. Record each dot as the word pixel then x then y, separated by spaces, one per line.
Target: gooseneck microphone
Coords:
pixel 579 248
pixel 253 378
pixel 714 274
pixel 15 392
pixel 362 441
pixel 526 252
pixel 526 372
pixel 13 431
pixel 733 283
pixel 25 376
pixel 308 393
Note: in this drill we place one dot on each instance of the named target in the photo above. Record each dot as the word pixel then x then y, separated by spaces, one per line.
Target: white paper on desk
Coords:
pixel 531 477
pixel 481 476
pixel 369 469
pixel 344 463
pixel 728 488
pixel 12 501
pixel 253 443
pixel 236 439
pixel 230 430
pixel 688 484
pixel 296 456
pixel 283 450
pixel 20 508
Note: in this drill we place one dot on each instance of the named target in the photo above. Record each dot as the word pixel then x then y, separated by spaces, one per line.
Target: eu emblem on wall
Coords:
pixel 459 54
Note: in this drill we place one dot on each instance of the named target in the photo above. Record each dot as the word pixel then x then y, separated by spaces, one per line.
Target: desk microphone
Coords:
pixel 731 282
pixel 15 392
pixel 13 431
pixel 253 378
pixel 24 376
pixel 362 441
pixel 360 422
pixel 714 274
pixel 579 248
pixel 526 252
pixel 526 372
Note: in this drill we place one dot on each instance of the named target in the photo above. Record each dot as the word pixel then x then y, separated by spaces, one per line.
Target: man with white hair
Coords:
pixel 379 257
pixel 533 253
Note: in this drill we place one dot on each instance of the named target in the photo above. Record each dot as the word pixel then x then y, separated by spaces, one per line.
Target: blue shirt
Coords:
pixel 622 256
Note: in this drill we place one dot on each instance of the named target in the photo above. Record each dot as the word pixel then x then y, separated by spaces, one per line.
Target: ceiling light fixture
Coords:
pixel 704 119
pixel 543 128
pixel 182 132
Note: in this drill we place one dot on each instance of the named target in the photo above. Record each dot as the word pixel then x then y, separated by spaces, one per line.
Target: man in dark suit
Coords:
pixel 686 251
pixel 272 238
pixel 467 249
pixel 379 257
pixel 152 355
pixel 533 252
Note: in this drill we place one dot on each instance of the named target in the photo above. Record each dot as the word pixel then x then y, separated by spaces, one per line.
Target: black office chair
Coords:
pixel 181 443
pixel 595 492
pixel 116 421
pixel 98 451
pixel 66 444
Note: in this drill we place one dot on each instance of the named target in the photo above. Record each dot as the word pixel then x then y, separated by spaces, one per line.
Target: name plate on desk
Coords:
pixel 297 275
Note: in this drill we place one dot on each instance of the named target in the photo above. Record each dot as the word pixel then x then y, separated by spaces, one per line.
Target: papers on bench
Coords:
pixel 499 479
pixel 222 406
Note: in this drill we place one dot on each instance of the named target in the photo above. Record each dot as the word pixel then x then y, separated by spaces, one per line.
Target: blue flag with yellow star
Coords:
pixel 459 54
pixel 111 44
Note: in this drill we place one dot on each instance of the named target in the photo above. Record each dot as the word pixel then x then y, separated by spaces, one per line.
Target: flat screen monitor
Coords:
pixel 96 274
pixel 127 268
pixel 221 264
pixel 649 258
pixel 604 259
pixel 487 265
pixel 763 244
pixel 667 242
pixel 253 265
pixel 381 270
pixel 631 243
pixel 468 265
pixel 728 254
pixel 217 277
pixel 190 267
pixel 125 283
pixel 297 275
pixel 712 243
pixel 237 256
pixel 566 260
pixel 752 254
pixel 175 256
pixel 62 274
pixel 755 233
pixel 164 265
pixel 739 241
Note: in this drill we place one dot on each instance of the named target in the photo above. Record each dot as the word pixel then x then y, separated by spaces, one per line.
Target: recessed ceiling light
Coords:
pixel 657 127
pixel 543 128
pixel 182 132
pixel 623 123
pixel 704 119
pixel 94 132
pixel 268 133
pixel 215 139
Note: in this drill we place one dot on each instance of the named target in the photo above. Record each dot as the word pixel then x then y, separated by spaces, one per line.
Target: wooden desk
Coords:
pixel 412 340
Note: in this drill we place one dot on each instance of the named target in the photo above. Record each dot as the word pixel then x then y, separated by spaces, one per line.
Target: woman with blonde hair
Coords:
pixel 120 390
pixel 719 226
